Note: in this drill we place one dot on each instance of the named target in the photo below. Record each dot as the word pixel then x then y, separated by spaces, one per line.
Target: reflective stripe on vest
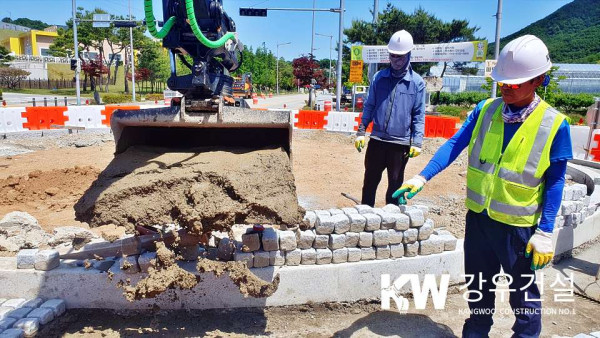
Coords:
pixel 503 207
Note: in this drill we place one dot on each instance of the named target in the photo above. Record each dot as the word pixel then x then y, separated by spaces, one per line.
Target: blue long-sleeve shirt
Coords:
pixel 404 123
pixel 560 152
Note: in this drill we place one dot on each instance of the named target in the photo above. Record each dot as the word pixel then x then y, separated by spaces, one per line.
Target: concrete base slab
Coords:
pixel 81 288
pixel 567 238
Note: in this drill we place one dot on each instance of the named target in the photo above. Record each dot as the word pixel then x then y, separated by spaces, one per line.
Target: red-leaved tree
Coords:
pixel 307 68
pixel 94 69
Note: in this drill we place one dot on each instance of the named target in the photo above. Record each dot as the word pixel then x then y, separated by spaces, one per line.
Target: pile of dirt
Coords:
pixel 201 189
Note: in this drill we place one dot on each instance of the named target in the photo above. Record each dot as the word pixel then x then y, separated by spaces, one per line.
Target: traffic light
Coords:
pixel 122 24
pixel 74 64
pixel 253 11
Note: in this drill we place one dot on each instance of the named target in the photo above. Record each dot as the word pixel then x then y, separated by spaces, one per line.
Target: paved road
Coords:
pixel 26 99
pixel 294 101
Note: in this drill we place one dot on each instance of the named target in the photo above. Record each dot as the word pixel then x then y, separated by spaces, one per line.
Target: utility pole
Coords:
pixel 338 89
pixel 76 54
pixel 132 60
pixel 373 66
pixel 312 33
pixel 330 48
pixel 277 62
pixel 497 43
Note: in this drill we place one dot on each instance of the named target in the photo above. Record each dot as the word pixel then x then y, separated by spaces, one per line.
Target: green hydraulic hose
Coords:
pixel 191 14
pixel 151 22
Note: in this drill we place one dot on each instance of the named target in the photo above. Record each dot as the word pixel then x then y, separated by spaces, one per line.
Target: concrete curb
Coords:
pixel 81 288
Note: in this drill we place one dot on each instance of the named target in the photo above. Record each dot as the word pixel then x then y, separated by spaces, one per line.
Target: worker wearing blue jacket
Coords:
pixel 396 106
pixel 518 148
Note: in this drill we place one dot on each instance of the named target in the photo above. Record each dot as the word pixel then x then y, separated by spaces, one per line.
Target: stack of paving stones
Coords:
pixel 20 317
pixel 347 235
pixel 575 206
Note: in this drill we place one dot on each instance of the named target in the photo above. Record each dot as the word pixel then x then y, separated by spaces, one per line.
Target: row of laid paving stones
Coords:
pixel 20 317
pixel 575 206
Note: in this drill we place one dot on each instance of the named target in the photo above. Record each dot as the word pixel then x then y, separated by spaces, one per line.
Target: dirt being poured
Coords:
pixel 201 189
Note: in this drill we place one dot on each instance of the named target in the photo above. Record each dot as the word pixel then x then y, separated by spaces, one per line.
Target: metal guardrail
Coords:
pixel 41 59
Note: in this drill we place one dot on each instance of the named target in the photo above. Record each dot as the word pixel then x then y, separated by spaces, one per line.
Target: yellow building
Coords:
pixel 34 42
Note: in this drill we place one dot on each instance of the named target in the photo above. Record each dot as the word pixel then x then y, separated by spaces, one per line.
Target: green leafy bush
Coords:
pixel 154 97
pixel 459 99
pixel 460 112
pixel 570 103
pixel 110 98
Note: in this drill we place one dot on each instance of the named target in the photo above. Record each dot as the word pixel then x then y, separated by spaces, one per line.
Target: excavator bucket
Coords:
pixel 173 127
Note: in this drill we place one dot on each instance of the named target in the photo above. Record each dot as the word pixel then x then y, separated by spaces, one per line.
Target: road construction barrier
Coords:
pixel 358 119
pixel 84 116
pixel 108 111
pixel 12 120
pixel 441 126
pixel 310 119
pixel 39 118
pixel 340 121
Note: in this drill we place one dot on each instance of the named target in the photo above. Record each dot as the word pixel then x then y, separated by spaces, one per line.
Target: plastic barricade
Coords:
pixel 85 116
pixel 39 118
pixel 595 147
pixel 340 121
pixel 358 119
pixel 108 111
pixel 11 120
pixel 310 119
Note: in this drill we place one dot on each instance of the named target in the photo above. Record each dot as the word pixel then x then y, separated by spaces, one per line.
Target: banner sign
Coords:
pixel 489 66
pixel 470 51
pixel 356 71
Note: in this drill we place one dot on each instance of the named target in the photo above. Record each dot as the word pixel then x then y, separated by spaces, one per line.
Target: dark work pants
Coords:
pixel 383 155
pixel 488 246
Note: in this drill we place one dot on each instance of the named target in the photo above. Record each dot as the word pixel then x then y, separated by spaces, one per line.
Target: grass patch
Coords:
pixel 457 111
pixel 9 33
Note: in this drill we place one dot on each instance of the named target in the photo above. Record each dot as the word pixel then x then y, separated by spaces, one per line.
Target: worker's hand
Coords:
pixel 359 143
pixel 541 245
pixel 414 151
pixel 411 188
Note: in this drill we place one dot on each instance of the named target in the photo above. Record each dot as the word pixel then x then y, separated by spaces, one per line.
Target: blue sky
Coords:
pixel 295 27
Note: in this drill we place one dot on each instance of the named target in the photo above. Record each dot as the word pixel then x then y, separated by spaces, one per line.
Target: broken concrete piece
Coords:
pixel 373 222
pixel 276 258
pixel 147 260
pixel 410 235
pixel 325 225
pixel 46 260
pixel 365 239
pixel 30 326
pixel 352 239
pixel 251 241
pixel 341 223
pixel 21 220
pixel 416 217
pixel 350 211
pixel 270 239
pixel 309 257
pixel 392 209
pixel 44 315
pixel 396 250
pixel 411 249
pixel 321 242
pixel 363 209
pixel 306 239
pixel 337 241
pixel 382 252
pixel 324 256
pixel 339 255
pixel 68 233
pixel 261 259
pixel 354 254
pixel 293 257
pixel 357 222
pixel 367 254
pixel 395 236
pixel 287 240
pixel 426 230
pixel 26 258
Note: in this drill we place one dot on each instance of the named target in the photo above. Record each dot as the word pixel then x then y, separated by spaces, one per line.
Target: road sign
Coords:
pixel 356 71
pixel 471 51
pixel 101 21
pixel 244 11
pixel 489 66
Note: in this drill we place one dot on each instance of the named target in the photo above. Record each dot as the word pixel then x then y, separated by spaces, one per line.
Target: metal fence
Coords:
pixel 463 83
pixel 45 84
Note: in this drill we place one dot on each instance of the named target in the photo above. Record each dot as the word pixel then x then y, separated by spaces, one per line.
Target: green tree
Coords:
pixel 154 58
pixel 4 56
pixel 25 22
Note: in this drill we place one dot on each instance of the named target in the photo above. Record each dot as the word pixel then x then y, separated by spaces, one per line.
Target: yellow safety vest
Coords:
pixel 509 185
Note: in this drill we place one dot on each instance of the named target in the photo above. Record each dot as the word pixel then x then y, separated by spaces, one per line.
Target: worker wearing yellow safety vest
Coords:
pixel 518 148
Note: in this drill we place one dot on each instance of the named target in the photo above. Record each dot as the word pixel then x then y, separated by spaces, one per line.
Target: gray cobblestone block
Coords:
pixel 33 303
pixel 335 211
pixel 395 236
pixel 578 206
pixel 322 213
pixel 388 220
pixel 442 232
pixel 46 260
pixel 30 326
pixel 26 258
pixel 396 250
pixel 363 209
pixel 261 259
pixel 14 303
pixel 373 222
pixel 423 208
pixel 310 218
pixel 382 252
pixel 270 239
pixel 339 255
pixel 405 208
pixel 293 257
pixel 357 222
pixel 287 240
pixel 426 230
pixel 559 222
pixel 416 217
pixel 276 258
pixel 251 241
pixel 324 225
pixel 145 260
pixel 411 249
pixel 352 239
pixel 354 254
pixel 306 239
pixel 579 191
pixel 321 242
pixel 365 239
pixel 567 193
pixel 129 264
pixel 309 257
pixel 7 323
pixel 438 242
pixel 410 236
pixel 586 200
pixel 4 311
pixel 225 250
pixel 381 237
pixel 337 241
pixel 567 207
pixel 367 254
pixel 392 209
pixel 350 211
pixel 430 246
pixel 13 333
pixel 247 257
pixel 402 222
pixel 341 223
pixel 324 256
pixel 449 242
pixel 45 316
pixel 19 312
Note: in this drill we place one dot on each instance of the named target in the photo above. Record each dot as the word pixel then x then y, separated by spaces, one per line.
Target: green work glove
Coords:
pixel 541 245
pixel 359 143
pixel 411 188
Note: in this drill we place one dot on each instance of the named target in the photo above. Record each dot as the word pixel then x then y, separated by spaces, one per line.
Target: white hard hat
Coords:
pixel 400 43
pixel 522 59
